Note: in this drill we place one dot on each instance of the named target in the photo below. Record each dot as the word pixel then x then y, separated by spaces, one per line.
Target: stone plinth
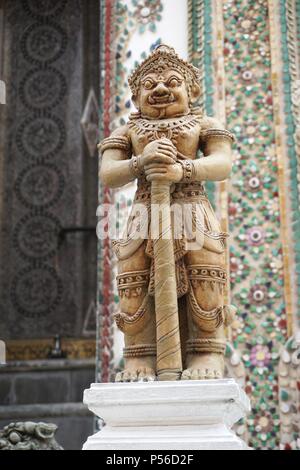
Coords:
pixel 187 415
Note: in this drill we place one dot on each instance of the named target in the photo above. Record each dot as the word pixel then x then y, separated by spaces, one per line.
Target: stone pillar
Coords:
pixel 186 415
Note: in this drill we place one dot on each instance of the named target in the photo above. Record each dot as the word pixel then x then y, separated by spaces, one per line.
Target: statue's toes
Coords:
pixel 218 375
pixel 149 375
pixel 146 375
pixel 124 376
pixel 201 374
pixel 134 377
pixel 140 375
pixel 210 374
pixel 195 374
pixel 119 377
pixel 127 376
pixel 186 375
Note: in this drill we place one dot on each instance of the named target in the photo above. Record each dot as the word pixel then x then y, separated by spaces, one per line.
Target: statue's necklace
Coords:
pixel 170 129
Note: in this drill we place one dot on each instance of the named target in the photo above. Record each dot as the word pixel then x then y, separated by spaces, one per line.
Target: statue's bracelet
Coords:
pixel 188 170
pixel 135 167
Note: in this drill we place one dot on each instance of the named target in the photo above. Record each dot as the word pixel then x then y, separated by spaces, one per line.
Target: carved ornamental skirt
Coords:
pixel 194 225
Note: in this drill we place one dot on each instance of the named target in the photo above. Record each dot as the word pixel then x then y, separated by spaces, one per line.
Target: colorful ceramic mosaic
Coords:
pixel 254 213
pixel 200 54
pixel 203 50
pixel 131 17
pixel 104 347
pixel 289 26
pixel 289 395
pixel 287 21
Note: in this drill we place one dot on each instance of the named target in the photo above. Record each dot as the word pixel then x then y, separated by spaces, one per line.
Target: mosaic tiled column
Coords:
pixel 255 213
pixel 104 359
pixel 206 31
pixel 261 53
pixel 200 54
pixel 284 19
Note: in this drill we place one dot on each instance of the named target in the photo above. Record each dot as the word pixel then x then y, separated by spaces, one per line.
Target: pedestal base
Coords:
pixel 187 415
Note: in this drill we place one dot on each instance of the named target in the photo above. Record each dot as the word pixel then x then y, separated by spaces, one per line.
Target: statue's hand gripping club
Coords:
pixel 161 151
pixel 159 162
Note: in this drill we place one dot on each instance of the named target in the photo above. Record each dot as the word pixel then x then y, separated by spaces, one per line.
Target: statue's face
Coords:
pixel 163 95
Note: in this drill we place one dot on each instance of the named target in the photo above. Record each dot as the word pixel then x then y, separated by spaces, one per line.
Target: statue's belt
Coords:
pixel 179 191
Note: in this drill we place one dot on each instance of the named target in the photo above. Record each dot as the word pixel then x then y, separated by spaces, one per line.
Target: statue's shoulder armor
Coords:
pixel 119 139
pixel 134 116
pixel 122 131
pixel 212 127
pixel 208 122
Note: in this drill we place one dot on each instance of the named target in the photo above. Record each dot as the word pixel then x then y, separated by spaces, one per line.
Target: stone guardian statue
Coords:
pixel 171 282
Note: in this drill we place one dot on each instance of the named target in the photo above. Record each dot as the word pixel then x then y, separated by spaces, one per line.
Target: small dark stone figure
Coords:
pixel 29 436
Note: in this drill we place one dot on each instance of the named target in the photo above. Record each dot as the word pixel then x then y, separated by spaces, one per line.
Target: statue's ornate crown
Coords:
pixel 162 58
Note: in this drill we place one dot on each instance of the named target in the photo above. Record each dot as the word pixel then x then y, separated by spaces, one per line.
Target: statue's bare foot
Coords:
pixel 144 374
pixel 138 369
pixel 206 366
pixel 200 374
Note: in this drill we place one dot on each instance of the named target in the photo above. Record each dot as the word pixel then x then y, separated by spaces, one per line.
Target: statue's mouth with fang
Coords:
pixel 163 100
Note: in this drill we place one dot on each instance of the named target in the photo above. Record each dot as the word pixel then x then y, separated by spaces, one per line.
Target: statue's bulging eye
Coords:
pixel 148 84
pixel 174 82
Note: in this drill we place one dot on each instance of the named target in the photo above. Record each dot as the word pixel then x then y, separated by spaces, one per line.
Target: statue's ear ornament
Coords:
pixel 195 92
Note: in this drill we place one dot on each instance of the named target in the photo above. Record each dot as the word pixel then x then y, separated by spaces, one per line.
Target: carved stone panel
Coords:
pixel 50 62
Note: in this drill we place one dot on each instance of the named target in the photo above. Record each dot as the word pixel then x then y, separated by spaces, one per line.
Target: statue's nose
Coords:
pixel 161 90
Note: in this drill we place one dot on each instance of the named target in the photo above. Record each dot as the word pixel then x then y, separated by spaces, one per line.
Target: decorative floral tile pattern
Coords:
pixel 254 215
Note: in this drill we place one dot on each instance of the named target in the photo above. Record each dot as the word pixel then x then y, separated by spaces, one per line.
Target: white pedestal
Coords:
pixel 187 415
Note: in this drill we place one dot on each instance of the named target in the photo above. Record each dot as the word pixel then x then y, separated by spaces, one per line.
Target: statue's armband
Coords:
pixel 215 135
pixel 115 142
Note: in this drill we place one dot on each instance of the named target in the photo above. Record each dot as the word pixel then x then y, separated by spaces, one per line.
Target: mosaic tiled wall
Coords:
pixel 254 213
pixel 248 52
pixel 262 207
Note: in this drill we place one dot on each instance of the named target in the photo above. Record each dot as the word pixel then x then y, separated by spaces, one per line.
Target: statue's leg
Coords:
pixel 207 315
pixel 136 318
